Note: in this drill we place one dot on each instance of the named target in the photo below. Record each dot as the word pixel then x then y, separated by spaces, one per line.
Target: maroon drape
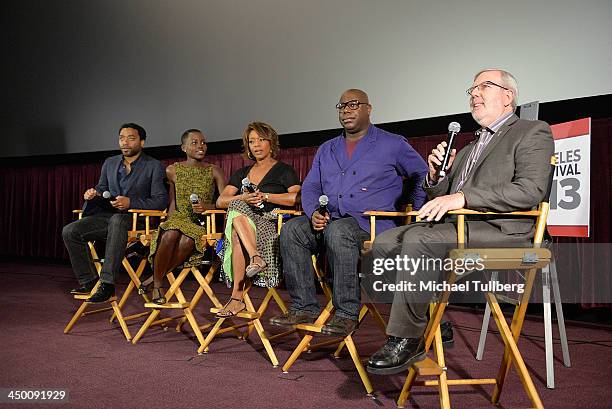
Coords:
pixel 38 201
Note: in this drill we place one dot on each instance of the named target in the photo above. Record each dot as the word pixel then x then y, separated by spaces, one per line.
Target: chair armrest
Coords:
pixel 383 213
pixel 467 212
pixel 214 211
pixel 290 212
pixel 147 212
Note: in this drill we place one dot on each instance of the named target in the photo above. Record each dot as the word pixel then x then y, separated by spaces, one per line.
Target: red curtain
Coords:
pixel 38 201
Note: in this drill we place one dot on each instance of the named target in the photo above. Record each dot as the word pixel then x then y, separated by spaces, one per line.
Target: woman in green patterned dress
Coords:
pixel 179 237
pixel 251 249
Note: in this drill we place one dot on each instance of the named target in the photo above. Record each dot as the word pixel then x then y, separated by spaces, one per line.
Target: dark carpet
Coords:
pixel 100 369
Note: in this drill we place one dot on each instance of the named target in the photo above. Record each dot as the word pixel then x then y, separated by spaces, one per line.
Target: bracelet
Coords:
pixel 267 197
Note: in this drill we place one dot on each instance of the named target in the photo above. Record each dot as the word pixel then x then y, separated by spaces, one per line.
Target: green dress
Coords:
pixel 189 179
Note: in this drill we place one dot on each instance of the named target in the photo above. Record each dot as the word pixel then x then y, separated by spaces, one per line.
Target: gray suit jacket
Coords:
pixel 146 188
pixel 513 173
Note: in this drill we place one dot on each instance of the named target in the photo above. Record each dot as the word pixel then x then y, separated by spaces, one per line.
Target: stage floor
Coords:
pixel 100 369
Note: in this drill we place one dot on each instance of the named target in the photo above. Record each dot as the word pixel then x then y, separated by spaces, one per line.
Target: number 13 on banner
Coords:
pixel 570 192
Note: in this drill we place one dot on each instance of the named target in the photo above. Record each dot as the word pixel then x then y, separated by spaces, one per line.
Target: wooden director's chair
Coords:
pixel 251 315
pixel 528 259
pixel 524 258
pixel 134 236
pixel 180 302
pixel 310 330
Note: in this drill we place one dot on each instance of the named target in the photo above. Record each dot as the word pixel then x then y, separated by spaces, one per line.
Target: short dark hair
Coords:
pixel 187 132
pixel 142 134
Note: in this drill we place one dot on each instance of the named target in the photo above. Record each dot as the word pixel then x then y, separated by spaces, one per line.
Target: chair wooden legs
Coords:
pixel 271 294
pixel 82 310
pixel 510 335
pixel 311 329
pixel 173 290
pixel 133 284
pixel 253 318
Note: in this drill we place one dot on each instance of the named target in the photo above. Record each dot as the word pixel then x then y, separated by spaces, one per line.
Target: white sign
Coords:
pixel 570 192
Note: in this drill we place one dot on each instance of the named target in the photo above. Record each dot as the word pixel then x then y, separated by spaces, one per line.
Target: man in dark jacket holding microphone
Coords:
pixel 132 180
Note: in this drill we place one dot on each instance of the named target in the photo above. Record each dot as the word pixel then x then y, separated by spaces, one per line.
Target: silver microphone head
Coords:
pixel 194 198
pixel 454 127
pixel 106 194
pixel 323 200
pixel 246 182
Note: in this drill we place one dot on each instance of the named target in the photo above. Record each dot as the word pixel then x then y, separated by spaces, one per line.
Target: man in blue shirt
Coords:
pixel 134 180
pixel 361 169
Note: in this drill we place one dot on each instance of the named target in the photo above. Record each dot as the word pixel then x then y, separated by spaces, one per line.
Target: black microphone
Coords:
pixel 323 201
pixel 108 196
pixel 251 188
pixel 195 199
pixel 453 130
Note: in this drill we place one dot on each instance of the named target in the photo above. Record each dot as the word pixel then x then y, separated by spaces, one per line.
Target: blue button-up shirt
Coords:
pixel 370 180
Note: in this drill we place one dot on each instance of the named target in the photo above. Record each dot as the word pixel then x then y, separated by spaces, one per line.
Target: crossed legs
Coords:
pixel 244 247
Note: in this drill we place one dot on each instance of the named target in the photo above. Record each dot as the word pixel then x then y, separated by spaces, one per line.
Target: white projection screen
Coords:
pixel 76 70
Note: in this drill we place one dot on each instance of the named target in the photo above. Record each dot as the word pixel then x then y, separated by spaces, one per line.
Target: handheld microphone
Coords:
pixel 251 188
pixel 453 130
pixel 323 201
pixel 108 196
pixel 195 199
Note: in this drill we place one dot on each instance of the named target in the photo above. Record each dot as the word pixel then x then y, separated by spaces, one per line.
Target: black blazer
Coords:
pixel 146 188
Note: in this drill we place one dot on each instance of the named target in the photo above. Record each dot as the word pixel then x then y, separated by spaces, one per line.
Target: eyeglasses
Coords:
pixel 483 86
pixel 352 104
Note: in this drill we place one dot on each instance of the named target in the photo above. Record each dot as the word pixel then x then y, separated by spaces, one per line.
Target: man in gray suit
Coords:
pixel 133 180
pixel 506 169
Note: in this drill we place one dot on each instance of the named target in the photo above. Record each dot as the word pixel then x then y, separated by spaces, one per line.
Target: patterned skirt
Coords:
pixel 264 224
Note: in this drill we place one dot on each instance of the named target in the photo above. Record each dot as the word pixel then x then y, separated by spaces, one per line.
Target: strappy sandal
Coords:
pixel 160 299
pixel 253 268
pixel 145 286
pixel 225 313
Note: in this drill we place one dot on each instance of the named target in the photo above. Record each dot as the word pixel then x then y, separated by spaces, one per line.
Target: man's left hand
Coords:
pixel 122 203
pixel 435 209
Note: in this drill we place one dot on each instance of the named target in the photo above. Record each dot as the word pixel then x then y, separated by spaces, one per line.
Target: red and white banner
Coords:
pixel 570 193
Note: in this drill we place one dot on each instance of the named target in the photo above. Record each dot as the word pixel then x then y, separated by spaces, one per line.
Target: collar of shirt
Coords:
pixel 494 127
pixel 132 163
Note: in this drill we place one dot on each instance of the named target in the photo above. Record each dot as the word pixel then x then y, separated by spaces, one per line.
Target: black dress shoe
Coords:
pixel 104 293
pixel 446 328
pixel 339 326
pixel 84 289
pixel 291 318
pixel 396 355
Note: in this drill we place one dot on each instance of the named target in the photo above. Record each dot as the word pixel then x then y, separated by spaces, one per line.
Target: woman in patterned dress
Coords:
pixel 179 237
pixel 251 247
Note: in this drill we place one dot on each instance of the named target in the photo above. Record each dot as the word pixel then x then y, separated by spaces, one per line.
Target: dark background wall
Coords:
pixel 75 70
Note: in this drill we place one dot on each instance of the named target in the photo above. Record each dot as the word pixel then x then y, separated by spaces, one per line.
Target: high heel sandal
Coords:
pixel 253 268
pixel 145 287
pixel 160 299
pixel 225 313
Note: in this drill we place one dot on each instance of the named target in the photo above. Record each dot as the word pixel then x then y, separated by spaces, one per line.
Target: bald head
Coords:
pixel 355 93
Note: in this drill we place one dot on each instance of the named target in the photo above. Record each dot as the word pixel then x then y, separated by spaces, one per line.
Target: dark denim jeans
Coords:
pixel 112 228
pixel 343 239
